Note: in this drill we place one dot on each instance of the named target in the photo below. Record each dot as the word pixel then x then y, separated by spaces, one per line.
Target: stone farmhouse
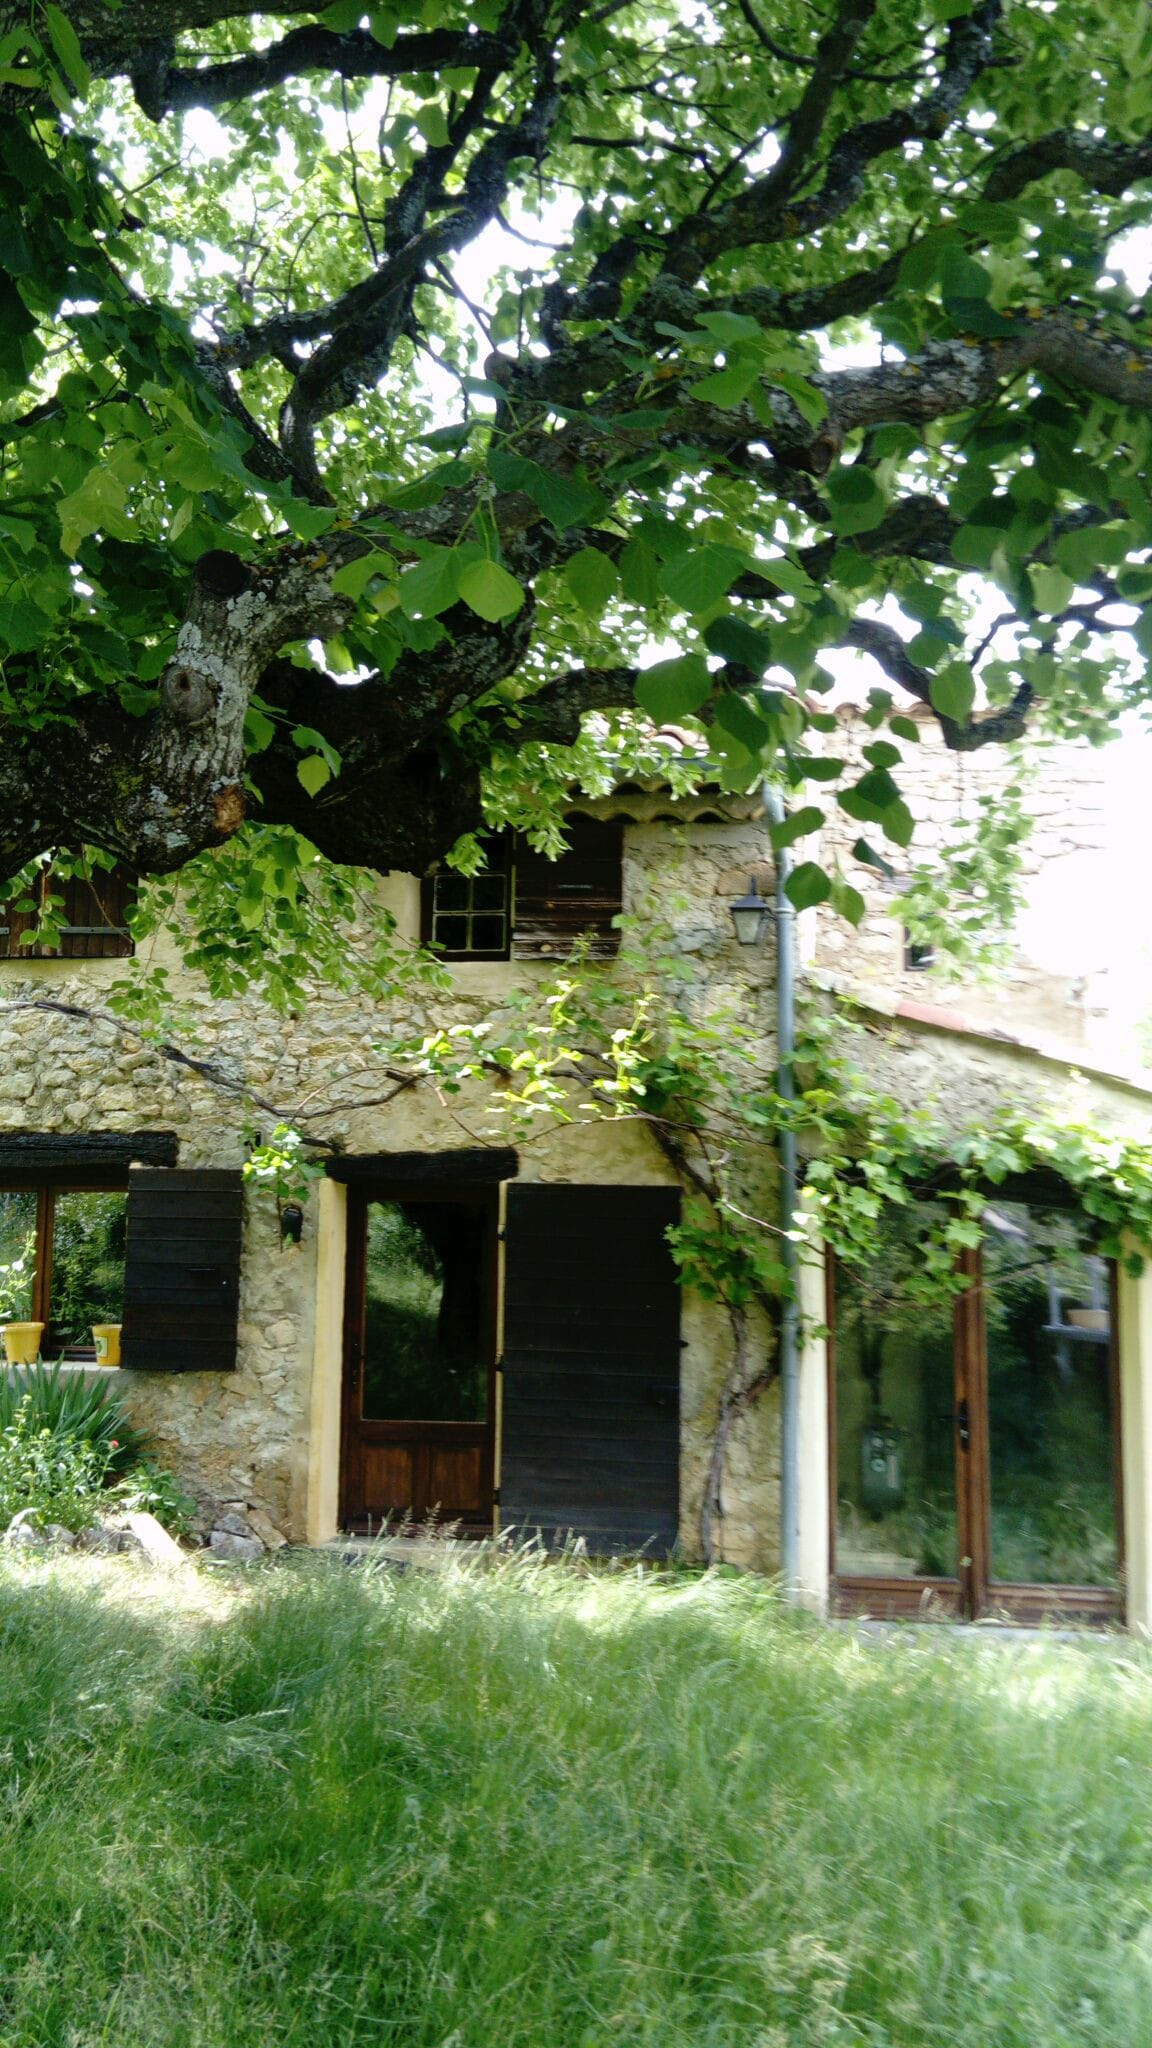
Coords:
pixel 492 1332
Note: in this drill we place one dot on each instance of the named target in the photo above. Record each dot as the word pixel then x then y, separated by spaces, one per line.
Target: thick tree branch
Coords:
pixel 886 648
pixel 355 54
pixel 1108 167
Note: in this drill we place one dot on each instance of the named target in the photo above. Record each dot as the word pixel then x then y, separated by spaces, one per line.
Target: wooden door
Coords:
pixel 590 1433
pixel 975 1451
pixel 419 1356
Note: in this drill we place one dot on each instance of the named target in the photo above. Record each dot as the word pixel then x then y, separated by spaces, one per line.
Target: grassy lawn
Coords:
pixel 526 1808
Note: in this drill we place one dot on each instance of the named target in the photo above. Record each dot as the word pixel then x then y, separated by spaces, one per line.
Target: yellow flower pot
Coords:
pixel 106 1337
pixel 22 1342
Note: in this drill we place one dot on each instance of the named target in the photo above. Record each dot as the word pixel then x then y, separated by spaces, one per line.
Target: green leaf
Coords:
pixel 808 818
pixel 807 885
pixel 882 754
pixel 259 731
pixel 725 387
pixel 1051 588
pixel 729 327
pixel 353 579
pixel 788 576
pixel 565 500
pixel 66 44
pixel 737 716
pixel 898 824
pixel 313 772
pixel 976 316
pixel 95 505
pixel 308 522
pixel 591 578
pixel 304 736
pixel 639 568
pixel 1092 548
pixel 810 403
pixel 953 692
pixel 869 857
pixel 737 641
pixel 429 587
pixel 904 728
pixel 847 901
pixel 674 689
pixel 489 590
pixel 855 499
pixel 433 126
pixel 698 581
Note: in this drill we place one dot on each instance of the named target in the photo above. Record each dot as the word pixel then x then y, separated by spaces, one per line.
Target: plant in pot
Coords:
pixel 21 1338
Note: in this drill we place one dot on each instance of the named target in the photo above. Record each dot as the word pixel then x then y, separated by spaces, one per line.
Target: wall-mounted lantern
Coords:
pixel 750 915
pixel 291 1222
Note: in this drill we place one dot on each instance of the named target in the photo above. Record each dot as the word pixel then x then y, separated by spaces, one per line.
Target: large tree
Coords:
pixel 817 337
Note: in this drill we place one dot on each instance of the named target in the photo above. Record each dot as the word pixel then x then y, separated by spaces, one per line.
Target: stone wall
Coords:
pixel 247 1436
pixel 1067 799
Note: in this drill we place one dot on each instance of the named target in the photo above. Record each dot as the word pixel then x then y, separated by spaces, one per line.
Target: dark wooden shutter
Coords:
pixel 182 1271
pixel 93 926
pixel 590 1430
pixel 556 901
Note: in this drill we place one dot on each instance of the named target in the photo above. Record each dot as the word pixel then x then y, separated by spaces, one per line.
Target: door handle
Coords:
pixel 963 1428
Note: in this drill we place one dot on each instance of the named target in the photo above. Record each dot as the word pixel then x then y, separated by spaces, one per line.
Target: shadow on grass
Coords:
pixel 529 1806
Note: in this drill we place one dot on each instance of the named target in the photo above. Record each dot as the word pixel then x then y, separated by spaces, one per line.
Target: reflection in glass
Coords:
pixel 87 1280
pixel 895 1401
pixel 425 1336
pixel 1046 1305
pixel 17 1254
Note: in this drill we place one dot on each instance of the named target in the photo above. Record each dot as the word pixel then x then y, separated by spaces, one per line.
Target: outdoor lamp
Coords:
pixel 291 1223
pixel 750 915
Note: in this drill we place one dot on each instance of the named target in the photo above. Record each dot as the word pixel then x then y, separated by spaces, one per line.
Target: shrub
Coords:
pixel 59 1478
pixel 150 1490
pixel 73 1410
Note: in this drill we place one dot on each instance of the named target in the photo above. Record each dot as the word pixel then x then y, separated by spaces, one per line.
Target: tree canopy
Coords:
pixel 813 335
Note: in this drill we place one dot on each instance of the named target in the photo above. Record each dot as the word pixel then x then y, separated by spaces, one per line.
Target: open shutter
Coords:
pixel 590 1432
pixel 92 921
pixel 182 1270
pixel 556 901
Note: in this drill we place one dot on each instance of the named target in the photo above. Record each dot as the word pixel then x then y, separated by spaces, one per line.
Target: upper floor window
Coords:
pixel 919 954
pixel 88 917
pixel 524 906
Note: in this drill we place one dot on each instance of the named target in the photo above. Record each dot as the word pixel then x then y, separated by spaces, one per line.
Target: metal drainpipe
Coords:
pixel 785 919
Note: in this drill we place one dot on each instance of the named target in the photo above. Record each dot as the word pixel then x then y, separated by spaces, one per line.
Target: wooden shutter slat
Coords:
pixel 182 1270
pixel 591 1365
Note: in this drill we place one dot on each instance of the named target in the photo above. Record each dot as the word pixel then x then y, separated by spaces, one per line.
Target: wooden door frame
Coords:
pixel 483 1195
pixel 973 1595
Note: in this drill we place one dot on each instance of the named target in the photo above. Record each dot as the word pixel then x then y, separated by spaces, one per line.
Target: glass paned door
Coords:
pixel 418 1435
pixel 895 1403
pixel 1047 1318
pixel 976 1443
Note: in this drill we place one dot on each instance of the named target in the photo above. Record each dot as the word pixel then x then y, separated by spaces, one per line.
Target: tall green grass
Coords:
pixel 524 1807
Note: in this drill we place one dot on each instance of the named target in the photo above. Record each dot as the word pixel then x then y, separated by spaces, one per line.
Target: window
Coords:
pixel 525 906
pixel 90 914
pixel 919 955
pixel 468 917
pixel 62 1247
pixel 976 1465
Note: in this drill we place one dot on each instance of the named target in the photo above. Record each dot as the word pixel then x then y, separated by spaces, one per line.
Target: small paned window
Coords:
pixel 469 913
pixel 62 1261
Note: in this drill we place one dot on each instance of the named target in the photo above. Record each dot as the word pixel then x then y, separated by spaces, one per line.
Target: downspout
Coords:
pixel 785 922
